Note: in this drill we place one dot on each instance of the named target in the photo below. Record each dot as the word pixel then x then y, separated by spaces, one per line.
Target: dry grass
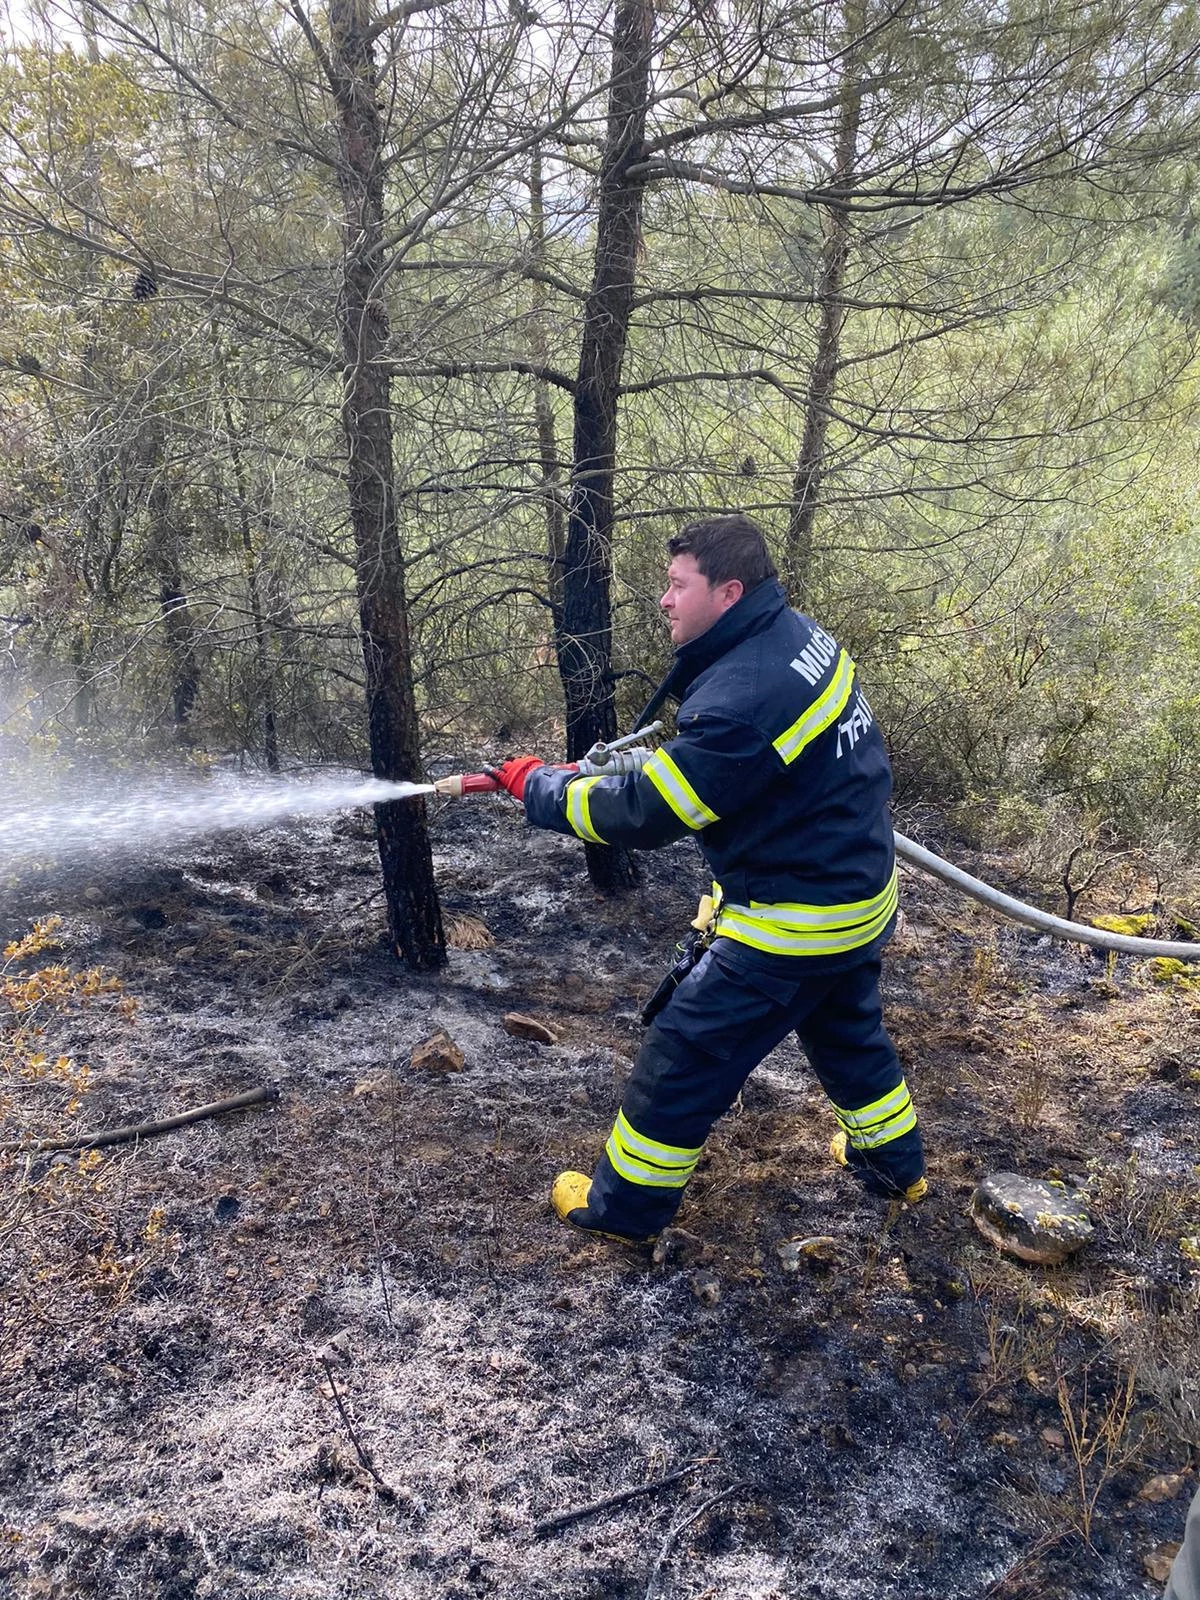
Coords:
pixel 468 933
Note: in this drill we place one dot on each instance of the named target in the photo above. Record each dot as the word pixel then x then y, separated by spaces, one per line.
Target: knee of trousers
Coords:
pixel 855 1072
pixel 677 1090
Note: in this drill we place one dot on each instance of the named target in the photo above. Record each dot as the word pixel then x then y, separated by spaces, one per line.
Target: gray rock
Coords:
pixel 1030 1219
pixel 706 1287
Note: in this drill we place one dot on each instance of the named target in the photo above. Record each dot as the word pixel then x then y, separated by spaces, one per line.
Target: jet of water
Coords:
pixel 66 825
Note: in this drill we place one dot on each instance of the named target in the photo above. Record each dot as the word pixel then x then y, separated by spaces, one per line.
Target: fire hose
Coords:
pixel 620 757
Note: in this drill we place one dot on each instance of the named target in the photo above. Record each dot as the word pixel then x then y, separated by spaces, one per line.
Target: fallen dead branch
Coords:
pixel 386 1492
pixel 149 1130
pixel 566 1518
pixel 681 1527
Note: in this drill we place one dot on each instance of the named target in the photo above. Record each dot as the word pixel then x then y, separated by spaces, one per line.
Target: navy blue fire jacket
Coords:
pixel 780 771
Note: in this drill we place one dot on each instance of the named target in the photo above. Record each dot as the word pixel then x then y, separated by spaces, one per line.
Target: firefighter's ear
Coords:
pixel 731 592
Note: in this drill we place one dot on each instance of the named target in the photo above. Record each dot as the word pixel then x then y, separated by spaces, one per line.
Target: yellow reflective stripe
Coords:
pixel 677 791
pixel 823 711
pixel 793 930
pixel 878 1110
pixel 677 1155
pixel 646 1161
pixel 579 809
pixel 880 1122
pixel 793 914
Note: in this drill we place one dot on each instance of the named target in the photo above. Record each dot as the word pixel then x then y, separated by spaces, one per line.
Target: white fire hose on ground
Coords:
pixel 1056 927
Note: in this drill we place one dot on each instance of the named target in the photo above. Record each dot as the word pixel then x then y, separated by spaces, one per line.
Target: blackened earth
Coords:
pixel 359 1357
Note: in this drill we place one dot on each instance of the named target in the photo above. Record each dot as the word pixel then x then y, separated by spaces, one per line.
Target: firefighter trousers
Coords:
pixel 719 1024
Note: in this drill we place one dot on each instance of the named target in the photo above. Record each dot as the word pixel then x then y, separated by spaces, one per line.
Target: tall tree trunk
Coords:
pixel 585 634
pixel 543 407
pixel 414 914
pixel 265 685
pixel 166 562
pixel 831 279
pixel 164 557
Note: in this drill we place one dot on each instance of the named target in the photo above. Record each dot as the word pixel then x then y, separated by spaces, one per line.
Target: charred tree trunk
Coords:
pixel 585 632
pixel 414 914
pixel 831 279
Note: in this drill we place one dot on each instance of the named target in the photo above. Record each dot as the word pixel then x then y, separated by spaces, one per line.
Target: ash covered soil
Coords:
pixel 339 1346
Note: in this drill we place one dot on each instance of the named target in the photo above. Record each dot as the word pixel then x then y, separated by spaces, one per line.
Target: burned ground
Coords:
pixel 338 1346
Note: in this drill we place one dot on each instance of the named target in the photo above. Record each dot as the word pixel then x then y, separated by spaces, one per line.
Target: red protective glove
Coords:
pixel 512 774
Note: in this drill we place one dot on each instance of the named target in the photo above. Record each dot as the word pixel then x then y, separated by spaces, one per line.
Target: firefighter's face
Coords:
pixel 692 603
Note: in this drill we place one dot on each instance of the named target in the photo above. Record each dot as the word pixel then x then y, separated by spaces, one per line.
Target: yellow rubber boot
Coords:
pixel 837 1149
pixel 569 1197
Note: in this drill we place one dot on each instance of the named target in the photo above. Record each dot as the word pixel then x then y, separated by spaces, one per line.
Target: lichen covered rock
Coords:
pixel 1030 1219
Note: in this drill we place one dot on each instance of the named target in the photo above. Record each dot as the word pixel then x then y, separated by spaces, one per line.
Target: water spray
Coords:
pixel 63 826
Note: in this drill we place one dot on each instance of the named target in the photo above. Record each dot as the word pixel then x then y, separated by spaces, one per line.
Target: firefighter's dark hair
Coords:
pixel 724 548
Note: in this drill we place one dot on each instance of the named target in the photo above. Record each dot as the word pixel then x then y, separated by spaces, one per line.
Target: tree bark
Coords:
pixel 414 914
pixel 264 677
pixel 585 632
pixel 164 557
pixel 831 279
pixel 543 405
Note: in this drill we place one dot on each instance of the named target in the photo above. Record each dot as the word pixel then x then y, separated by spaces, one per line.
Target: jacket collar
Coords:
pixel 753 612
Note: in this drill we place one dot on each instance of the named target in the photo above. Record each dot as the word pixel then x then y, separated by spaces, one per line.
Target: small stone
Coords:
pixel 232 1274
pixel 678 1248
pixel 706 1288
pixel 1157 1565
pixel 1166 1486
pixel 337 1351
pixel 1054 1437
pixel 522 1027
pixel 438 1053
pixel 1034 1221
pixel 819 1249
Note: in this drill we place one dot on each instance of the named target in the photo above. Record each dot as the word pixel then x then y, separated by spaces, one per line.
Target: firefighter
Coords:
pixel 780 771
